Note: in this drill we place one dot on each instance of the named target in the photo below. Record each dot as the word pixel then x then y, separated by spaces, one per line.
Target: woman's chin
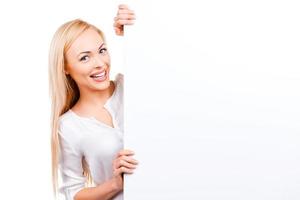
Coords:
pixel 101 85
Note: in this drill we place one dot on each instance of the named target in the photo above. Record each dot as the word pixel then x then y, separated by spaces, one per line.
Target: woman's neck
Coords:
pixel 92 100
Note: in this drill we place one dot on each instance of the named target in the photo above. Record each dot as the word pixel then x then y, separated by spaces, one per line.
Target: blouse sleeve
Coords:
pixel 70 163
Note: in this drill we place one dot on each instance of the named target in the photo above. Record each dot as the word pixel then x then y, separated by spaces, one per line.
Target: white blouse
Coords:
pixel 97 142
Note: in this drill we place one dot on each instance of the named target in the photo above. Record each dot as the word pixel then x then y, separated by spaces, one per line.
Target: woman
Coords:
pixel 87 113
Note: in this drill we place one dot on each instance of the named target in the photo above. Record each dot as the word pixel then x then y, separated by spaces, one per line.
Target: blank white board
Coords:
pixel 212 100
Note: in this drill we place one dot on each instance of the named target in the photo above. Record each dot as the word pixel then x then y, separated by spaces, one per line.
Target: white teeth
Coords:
pixel 99 75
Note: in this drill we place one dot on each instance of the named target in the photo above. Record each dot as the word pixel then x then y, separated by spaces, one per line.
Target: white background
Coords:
pixel 213 100
pixel 218 93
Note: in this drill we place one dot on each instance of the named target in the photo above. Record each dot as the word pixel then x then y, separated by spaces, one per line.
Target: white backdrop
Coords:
pixel 212 101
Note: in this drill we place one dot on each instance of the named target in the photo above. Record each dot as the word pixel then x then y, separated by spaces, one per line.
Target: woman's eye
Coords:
pixel 103 50
pixel 84 58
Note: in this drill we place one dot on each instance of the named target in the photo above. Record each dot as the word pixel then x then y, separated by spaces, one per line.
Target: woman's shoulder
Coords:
pixel 69 135
pixel 119 78
pixel 66 118
pixel 119 81
pixel 67 124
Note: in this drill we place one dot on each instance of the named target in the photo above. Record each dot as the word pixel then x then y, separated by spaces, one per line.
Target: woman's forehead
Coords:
pixel 89 40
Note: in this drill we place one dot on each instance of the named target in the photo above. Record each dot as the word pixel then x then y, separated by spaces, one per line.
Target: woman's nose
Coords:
pixel 99 62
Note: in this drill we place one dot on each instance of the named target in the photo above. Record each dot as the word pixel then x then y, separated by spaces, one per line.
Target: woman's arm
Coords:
pixel 124 163
pixel 103 191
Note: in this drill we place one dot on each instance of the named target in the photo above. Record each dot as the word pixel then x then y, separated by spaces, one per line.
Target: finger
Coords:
pixel 124 16
pixel 125 22
pixel 123 6
pixel 119 30
pixel 123 163
pixel 118 172
pixel 125 152
pixel 121 22
pixel 117 25
pixel 128 159
pixel 131 12
pixel 124 170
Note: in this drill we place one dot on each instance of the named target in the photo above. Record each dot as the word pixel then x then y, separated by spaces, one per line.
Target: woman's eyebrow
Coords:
pixel 90 51
pixel 101 46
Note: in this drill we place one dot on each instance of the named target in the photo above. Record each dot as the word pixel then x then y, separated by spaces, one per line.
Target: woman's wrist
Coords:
pixel 116 184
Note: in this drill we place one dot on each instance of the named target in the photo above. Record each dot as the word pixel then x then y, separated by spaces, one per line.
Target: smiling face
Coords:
pixel 88 62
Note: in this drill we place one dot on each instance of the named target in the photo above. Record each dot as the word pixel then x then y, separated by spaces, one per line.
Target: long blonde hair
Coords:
pixel 64 91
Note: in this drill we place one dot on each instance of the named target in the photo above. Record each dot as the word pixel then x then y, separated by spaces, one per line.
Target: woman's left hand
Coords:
pixel 125 16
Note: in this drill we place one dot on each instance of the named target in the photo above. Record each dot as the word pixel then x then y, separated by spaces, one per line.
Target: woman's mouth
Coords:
pixel 99 77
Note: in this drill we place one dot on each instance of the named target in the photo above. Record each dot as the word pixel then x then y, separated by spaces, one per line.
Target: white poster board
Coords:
pixel 212 100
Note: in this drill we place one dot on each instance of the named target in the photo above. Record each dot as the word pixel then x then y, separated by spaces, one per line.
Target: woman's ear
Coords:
pixel 66 67
pixel 67 72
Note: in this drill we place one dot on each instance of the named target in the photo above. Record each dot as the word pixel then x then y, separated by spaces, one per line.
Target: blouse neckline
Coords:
pixel 107 105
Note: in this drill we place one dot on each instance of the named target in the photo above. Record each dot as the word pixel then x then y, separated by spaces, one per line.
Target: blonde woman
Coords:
pixel 87 113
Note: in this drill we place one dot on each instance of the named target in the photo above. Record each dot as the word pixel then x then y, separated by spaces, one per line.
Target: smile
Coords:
pixel 99 77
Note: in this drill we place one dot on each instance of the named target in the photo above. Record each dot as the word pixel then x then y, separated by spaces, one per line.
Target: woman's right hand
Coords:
pixel 123 163
pixel 125 16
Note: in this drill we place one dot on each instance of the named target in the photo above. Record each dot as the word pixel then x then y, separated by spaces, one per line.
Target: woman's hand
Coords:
pixel 123 163
pixel 125 16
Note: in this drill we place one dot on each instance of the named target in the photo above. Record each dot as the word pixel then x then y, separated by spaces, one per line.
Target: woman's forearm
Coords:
pixel 104 191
